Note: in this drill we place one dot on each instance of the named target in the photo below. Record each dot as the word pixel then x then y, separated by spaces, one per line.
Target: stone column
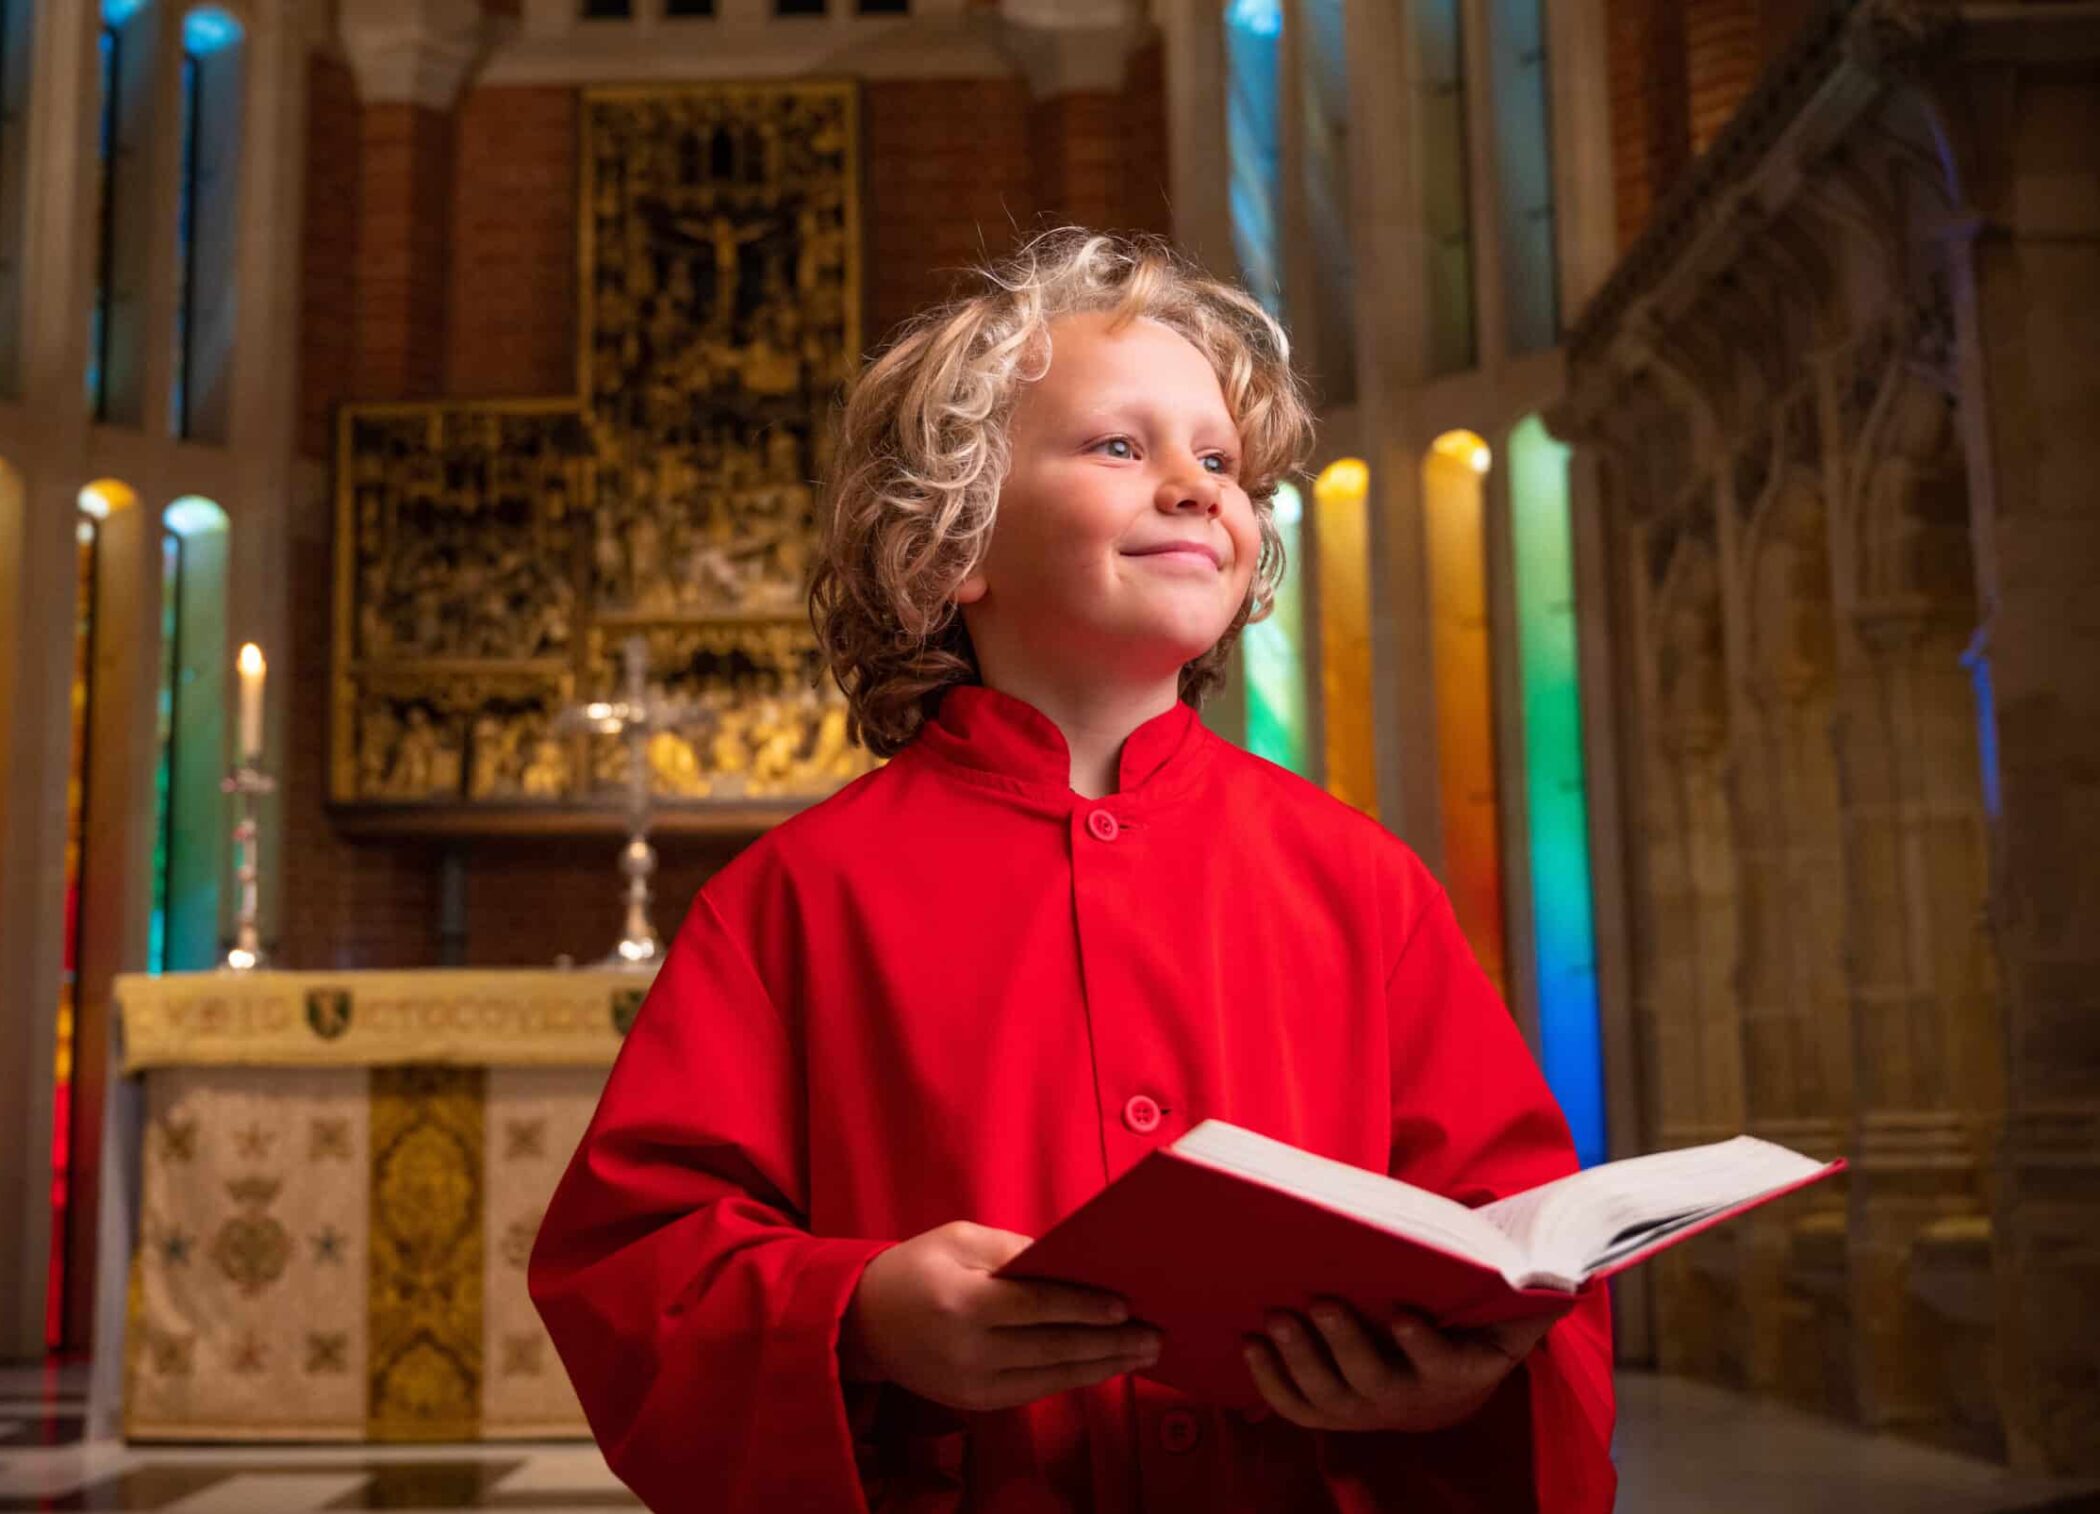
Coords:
pixel 1796 1052
pixel 1685 930
pixel 1074 54
pixel 39 490
pixel 410 58
pixel 1924 1008
pixel 2028 327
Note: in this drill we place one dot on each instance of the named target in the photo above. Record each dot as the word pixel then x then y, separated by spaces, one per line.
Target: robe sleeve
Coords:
pixel 696 1315
pixel 1473 1119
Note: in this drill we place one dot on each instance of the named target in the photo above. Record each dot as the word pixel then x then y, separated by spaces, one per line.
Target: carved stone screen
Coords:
pixel 492 557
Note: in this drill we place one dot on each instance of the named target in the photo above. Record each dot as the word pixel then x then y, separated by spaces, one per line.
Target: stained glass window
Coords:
pixel 1274 649
pixel 1324 137
pixel 206 221
pixel 1439 119
pixel 1253 31
pixel 1556 801
pixel 1524 174
pixel 16 32
pixel 1453 505
pixel 164 742
pixel 105 242
pixel 68 1008
pixel 190 834
pixel 1342 529
pixel 116 353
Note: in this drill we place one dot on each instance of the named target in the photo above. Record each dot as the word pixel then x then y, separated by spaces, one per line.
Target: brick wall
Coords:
pixel 1678 70
pixel 948 178
pixel 1073 139
pixel 440 259
pixel 343 903
pixel 511 309
pixel 531 900
pixel 1723 50
pixel 1140 162
pixel 403 215
pixel 328 337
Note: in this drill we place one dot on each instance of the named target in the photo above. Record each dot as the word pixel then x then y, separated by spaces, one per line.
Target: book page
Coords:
pixel 1576 1224
pixel 1373 1197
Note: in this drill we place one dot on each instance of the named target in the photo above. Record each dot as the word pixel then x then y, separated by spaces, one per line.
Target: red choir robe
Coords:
pixel 935 996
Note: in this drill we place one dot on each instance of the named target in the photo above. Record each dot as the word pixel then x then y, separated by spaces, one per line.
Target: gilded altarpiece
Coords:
pixel 493 557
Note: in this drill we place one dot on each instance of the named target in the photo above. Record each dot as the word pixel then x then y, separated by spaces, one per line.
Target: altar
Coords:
pixel 328 1190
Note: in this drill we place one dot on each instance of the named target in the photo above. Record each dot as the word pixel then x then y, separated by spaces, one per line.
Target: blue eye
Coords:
pixel 1115 441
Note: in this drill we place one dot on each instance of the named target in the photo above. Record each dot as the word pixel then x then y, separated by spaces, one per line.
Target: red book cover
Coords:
pixel 1205 1254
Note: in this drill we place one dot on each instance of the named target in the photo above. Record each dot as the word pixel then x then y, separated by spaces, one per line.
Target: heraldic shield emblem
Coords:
pixel 626 1004
pixel 328 1011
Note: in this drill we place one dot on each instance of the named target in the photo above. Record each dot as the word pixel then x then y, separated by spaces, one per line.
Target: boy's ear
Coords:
pixel 970 590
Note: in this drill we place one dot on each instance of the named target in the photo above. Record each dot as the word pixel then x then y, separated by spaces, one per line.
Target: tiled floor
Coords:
pixel 1682 1449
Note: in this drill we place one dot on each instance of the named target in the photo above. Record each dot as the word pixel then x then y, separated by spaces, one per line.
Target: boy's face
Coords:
pixel 1123 448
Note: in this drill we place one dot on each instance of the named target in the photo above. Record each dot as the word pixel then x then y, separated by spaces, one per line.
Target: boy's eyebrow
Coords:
pixel 1144 404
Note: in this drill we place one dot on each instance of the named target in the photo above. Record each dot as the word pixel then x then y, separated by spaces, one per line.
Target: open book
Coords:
pixel 1205 1237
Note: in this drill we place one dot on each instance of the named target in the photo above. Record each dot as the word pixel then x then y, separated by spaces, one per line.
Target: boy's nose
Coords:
pixel 1197 491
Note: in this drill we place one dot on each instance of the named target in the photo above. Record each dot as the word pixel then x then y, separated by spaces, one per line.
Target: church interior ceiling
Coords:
pixel 494 557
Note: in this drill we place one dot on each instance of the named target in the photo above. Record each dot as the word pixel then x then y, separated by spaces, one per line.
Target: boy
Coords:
pixel 912 1027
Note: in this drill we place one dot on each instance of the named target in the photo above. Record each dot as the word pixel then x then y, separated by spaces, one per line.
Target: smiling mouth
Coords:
pixel 1191 555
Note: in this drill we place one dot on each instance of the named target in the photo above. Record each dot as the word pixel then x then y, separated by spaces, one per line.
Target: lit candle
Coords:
pixel 251 666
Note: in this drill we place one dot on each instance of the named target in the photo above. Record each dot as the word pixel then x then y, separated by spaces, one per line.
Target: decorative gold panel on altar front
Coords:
pixel 340 1178
pixel 492 557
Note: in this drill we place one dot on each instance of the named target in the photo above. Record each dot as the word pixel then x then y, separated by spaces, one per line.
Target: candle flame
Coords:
pixel 251 661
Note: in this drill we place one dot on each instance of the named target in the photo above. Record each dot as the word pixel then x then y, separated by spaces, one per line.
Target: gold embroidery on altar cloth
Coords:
pixel 626 1004
pixel 178 1140
pixel 517 1243
pixel 425 1279
pixel 328 1011
pixel 328 1138
pixel 327 1351
pixel 170 1355
pixel 250 1356
pixel 522 1355
pixel 251 1248
pixel 453 1015
pixel 524 1139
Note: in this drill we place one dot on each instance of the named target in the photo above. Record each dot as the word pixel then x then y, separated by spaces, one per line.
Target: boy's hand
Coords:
pixel 928 1316
pixel 1345 1375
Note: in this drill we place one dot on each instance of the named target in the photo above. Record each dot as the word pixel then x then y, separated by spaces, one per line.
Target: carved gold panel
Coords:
pixel 492 557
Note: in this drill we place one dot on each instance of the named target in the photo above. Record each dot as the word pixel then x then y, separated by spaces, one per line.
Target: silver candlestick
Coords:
pixel 247 783
pixel 635 718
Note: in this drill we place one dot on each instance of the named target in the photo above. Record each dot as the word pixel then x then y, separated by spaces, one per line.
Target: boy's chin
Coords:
pixel 1168 656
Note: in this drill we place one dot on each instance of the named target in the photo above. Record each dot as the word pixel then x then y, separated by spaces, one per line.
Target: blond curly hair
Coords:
pixel 921 450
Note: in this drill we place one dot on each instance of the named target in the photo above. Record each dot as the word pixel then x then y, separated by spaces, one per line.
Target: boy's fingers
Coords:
pixel 1013 1302
pixel 1025 1346
pixel 1364 1367
pixel 1317 1379
pixel 1275 1383
pixel 1516 1340
pixel 1431 1352
pixel 1448 1360
pixel 1028 1384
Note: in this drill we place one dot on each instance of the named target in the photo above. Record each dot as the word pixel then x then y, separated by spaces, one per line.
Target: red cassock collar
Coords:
pixel 1000 739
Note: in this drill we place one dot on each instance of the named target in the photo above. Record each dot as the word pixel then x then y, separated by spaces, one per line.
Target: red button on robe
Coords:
pixel 950 992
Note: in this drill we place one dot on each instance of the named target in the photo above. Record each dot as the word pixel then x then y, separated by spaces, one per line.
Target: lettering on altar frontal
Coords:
pixel 519 1017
